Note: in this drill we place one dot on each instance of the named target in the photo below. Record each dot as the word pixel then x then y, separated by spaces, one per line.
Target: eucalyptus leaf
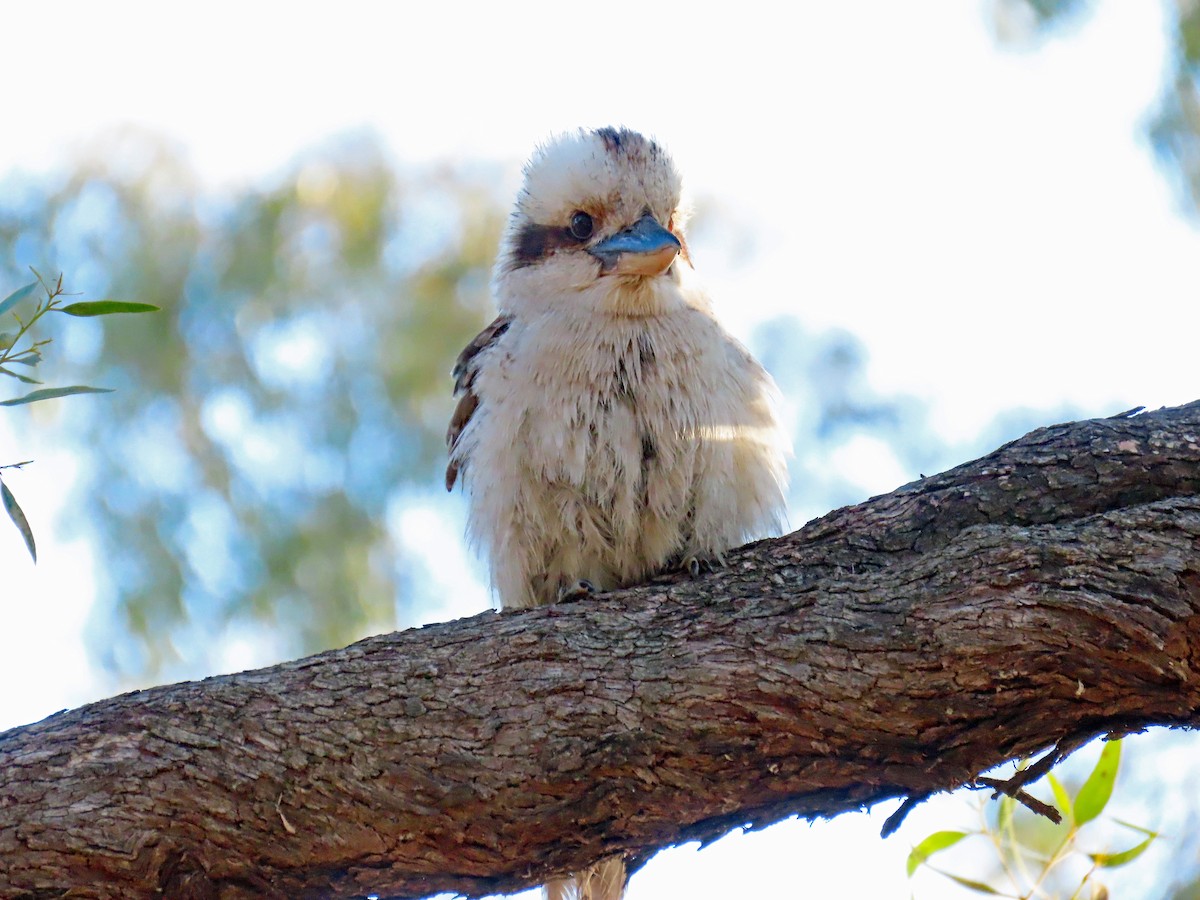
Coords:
pixel 1005 814
pixel 18 517
pixel 935 843
pixel 1112 860
pixel 974 885
pixel 1094 794
pixel 51 393
pixel 18 376
pixel 17 296
pixel 1061 798
pixel 31 358
pixel 105 308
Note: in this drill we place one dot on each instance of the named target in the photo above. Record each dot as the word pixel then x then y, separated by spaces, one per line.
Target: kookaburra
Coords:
pixel 607 426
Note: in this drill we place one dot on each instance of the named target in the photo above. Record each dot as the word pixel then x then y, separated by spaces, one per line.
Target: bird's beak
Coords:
pixel 644 248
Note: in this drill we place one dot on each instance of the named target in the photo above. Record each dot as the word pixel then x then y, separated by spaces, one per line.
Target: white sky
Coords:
pixel 989 223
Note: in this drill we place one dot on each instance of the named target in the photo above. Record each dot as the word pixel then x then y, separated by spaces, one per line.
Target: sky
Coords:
pixel 989 222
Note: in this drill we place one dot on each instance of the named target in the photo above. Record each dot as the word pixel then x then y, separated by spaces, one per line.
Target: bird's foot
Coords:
pixel 700 565
pixel 578 590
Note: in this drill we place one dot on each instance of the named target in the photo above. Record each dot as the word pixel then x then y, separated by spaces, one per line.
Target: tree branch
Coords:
pixel 1044 594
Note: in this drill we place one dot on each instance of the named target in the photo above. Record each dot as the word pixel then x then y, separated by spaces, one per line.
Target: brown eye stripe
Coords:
pixel 536 242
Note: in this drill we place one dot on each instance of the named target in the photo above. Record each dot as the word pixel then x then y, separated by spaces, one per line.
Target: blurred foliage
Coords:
pixel 293 392
pixel 1021 22
pixel 829 404
pixel 1175 124
pixel 1173 127
pixel 293 384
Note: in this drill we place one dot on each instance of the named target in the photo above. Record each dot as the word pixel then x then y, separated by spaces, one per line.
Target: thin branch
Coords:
pixel 1029 801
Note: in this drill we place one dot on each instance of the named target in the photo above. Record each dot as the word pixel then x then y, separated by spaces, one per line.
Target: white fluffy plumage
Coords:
pixel 608 426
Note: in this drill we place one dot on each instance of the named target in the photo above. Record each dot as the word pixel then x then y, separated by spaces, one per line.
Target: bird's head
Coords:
pixel 598 226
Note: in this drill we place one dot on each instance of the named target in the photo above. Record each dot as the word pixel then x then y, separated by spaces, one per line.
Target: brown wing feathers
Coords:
pixel 466 368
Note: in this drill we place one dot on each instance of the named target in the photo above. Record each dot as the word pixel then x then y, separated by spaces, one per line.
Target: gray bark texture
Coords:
pixel 1024 602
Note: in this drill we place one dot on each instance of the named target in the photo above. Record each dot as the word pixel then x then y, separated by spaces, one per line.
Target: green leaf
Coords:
pixel 51 393
pixel 936 842
pixel 105 308
pixel 972 884
pixel 1093 795
pixel 18 517
pixel 18 376
pixel 29 358
pixel 1005 814
pixel 17 296
pixel 1112 860
pixel 1061 798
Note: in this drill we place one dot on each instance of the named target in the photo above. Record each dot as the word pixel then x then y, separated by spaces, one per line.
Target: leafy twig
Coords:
pixel 11 352
pixel 1026 881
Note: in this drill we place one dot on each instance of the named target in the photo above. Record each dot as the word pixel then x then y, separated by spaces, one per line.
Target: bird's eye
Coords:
pixel 581 225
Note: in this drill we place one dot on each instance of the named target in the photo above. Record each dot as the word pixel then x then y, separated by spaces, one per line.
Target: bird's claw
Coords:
pixel 701 565
pixel 577 590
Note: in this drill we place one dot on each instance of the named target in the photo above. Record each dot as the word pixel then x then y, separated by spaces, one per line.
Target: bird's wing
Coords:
pixel 466 368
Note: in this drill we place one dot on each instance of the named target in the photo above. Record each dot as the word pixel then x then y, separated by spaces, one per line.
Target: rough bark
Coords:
pixel 1041 595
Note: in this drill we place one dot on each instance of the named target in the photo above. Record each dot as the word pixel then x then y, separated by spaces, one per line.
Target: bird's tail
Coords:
pixel 604 880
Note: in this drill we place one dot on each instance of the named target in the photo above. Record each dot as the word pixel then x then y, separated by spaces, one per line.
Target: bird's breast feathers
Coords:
pixel 630 411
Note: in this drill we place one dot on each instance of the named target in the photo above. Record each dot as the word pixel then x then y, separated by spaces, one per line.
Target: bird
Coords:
pixel 607 427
